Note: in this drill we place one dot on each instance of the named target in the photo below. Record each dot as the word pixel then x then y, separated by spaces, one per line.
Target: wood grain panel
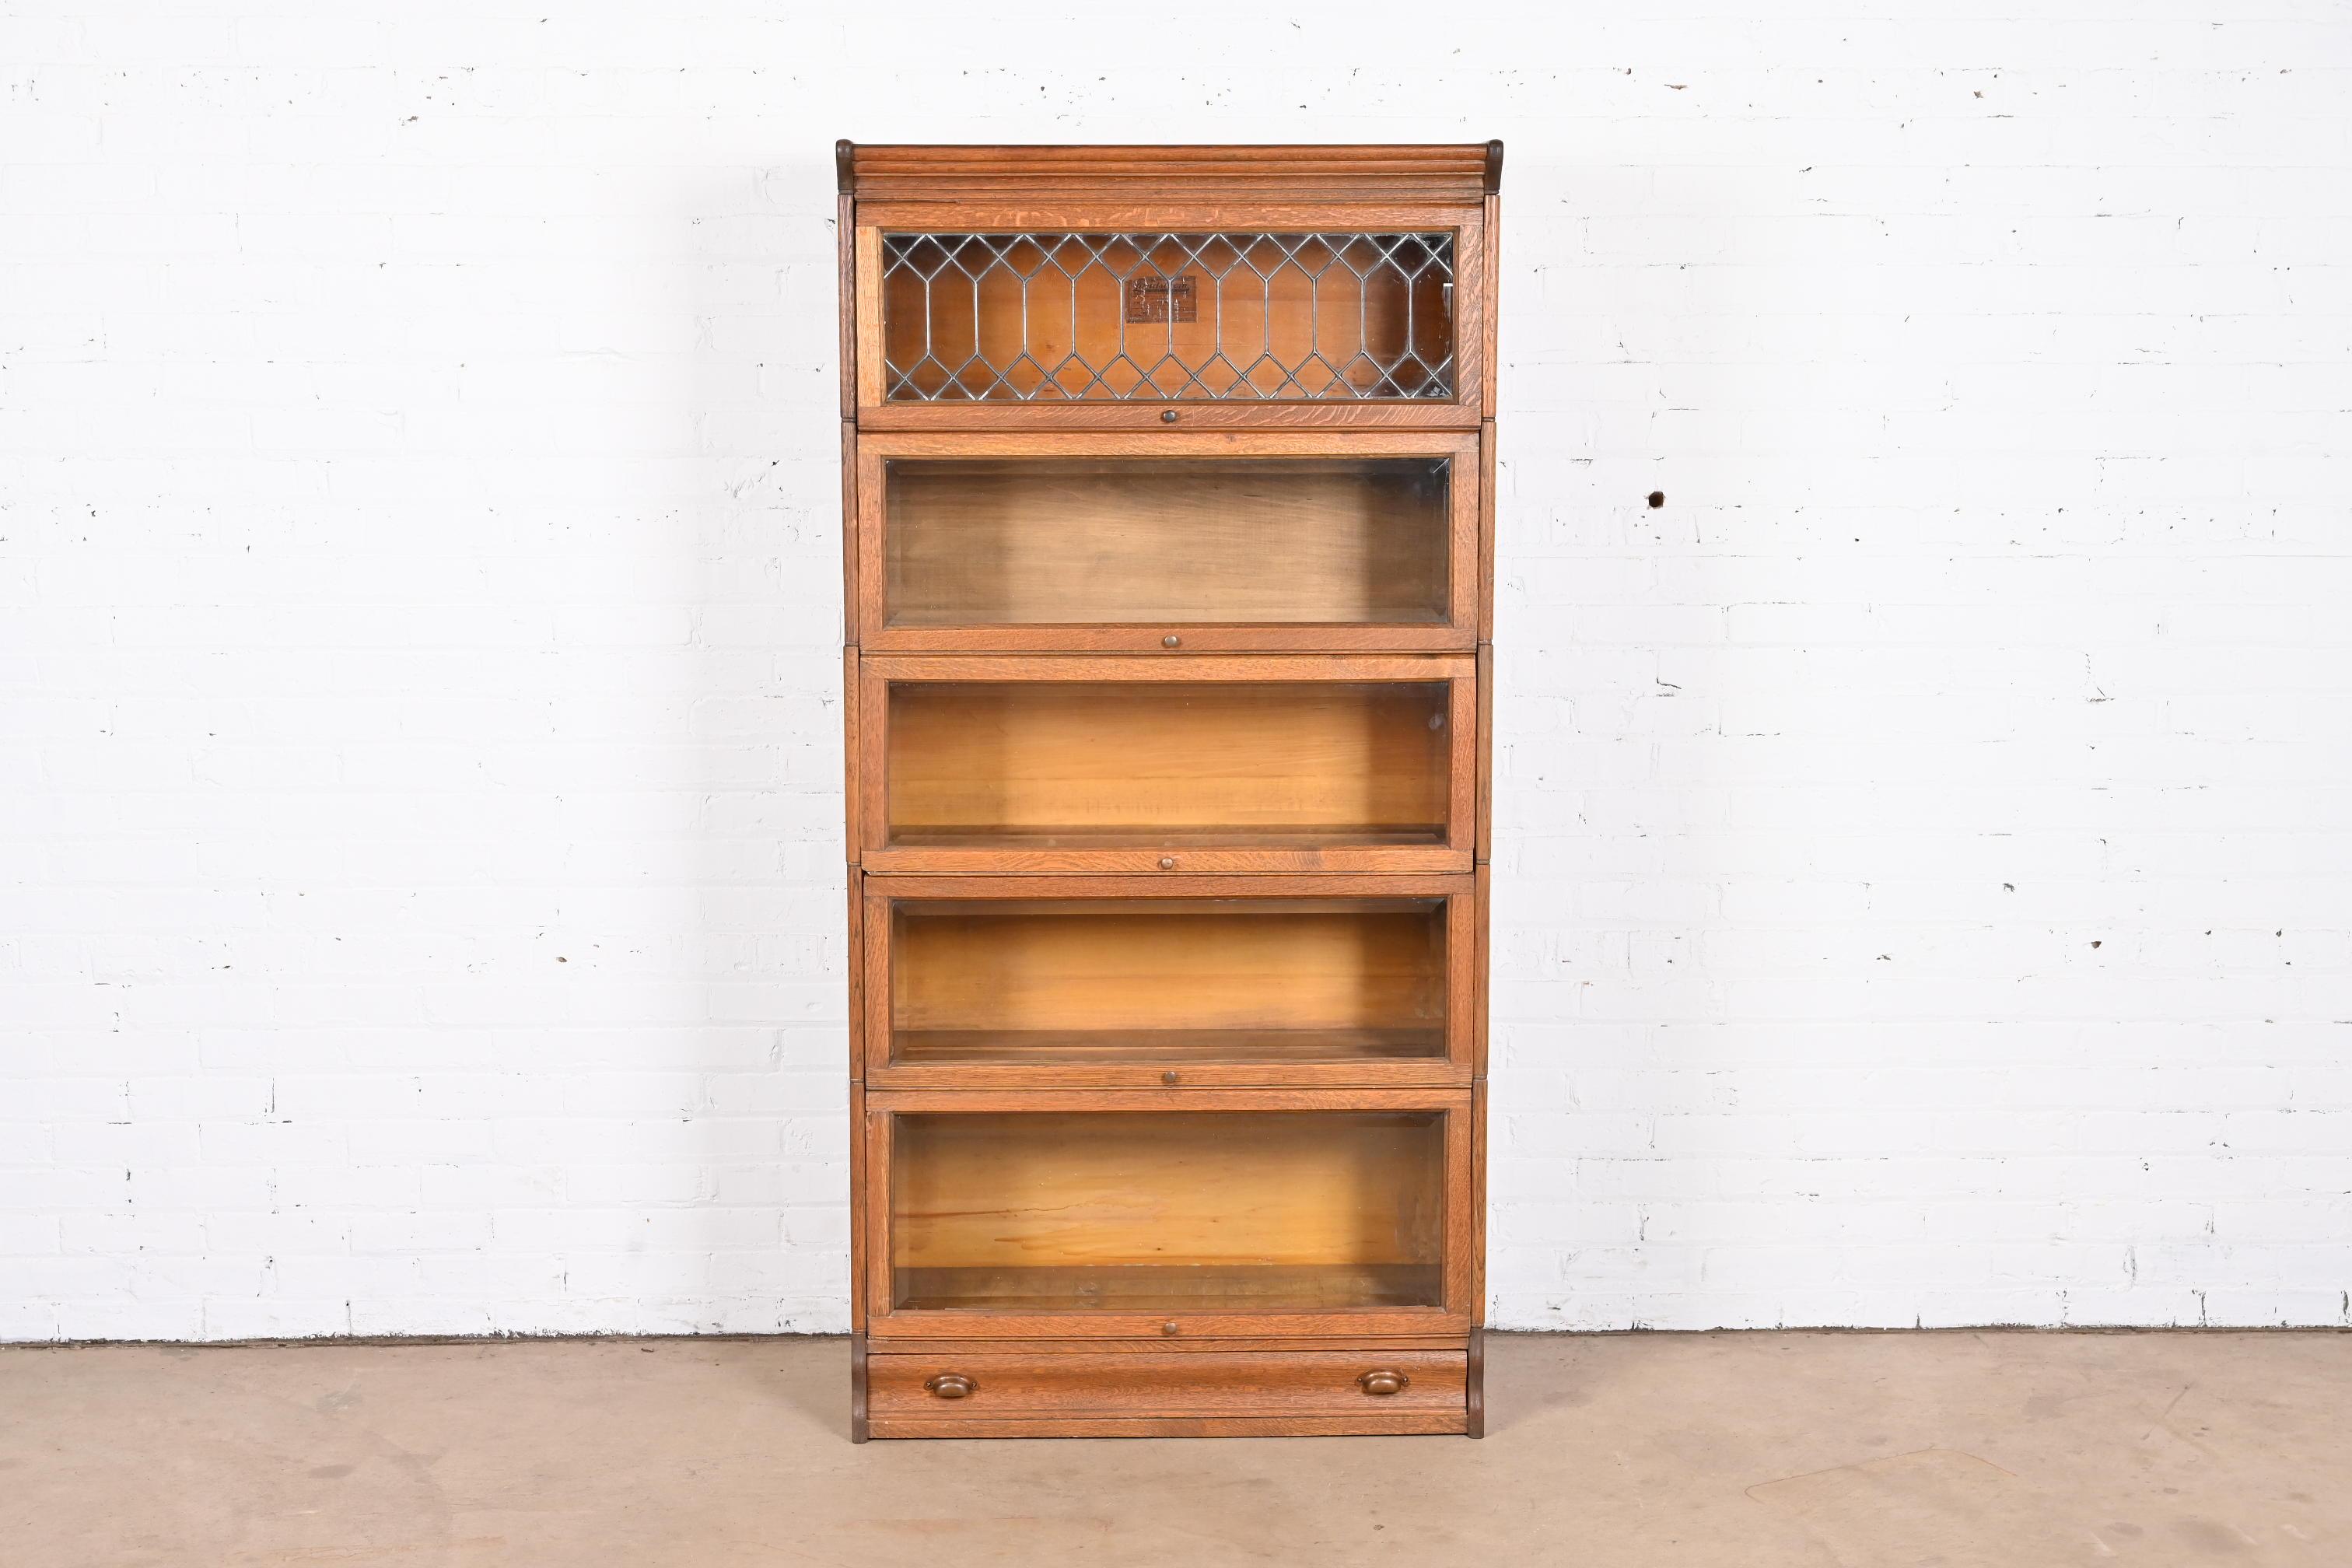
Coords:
pixel 1364 1424
pixel 1490 294
pixel 1485 833
pixel 1487 500
pixel 1297 1211
pixel 1256 857
pixel 1097 765
pixel 862 1204
pixel 1470 313
pixel 844 234
pixel 990 542
pixel 868 246
pixel 1161 174
pixel 1363 885
pixel 1353 1343
pixel 901 1101
pixel 1095 1384
pixel 858 1431
pixel 1181 1290
pixel 1241 670
pixel 1295 966
pixel 1473 1253
pixel 853 795
pixel 1155 1327
pixel 1050 1053
pixel 852 476
pixel 1163 216
pixel 857 994
pixel 1433 415
pixel 1479 977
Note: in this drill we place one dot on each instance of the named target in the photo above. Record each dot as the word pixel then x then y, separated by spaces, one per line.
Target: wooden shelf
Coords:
pixel 1223 1287
pixel 1174 1047
pixel 990 617
pixel 1306 836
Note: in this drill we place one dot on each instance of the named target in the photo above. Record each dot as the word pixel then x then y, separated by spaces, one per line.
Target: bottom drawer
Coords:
pixel 1200 1394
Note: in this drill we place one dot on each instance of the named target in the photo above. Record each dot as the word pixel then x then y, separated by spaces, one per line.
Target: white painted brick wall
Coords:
pixel 1923 843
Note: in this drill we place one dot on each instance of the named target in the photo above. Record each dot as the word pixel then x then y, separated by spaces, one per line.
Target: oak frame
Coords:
pixel 985 188
pixel 1465 950
pixel 877 672
pixel 1102 1389
pixel 1462 410
pixel 1465 586
pixel 1009 175
pixel 1461 1275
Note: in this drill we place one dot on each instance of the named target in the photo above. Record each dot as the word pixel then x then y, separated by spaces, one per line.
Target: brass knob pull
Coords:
pixel 1169 1077
pixel 1171 640
pixel 1168 862
pixel 1169 1327
pixel 1168 417
pixel 950 1385
pixel 1383 1383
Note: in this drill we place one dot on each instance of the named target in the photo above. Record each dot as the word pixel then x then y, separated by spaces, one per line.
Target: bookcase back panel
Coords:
pixel 1020 541
pixel 1185 980
pixel 1145 1211
pixel 1058 764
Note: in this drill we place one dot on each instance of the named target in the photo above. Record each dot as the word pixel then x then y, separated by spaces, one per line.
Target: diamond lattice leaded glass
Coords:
pixel 1036 318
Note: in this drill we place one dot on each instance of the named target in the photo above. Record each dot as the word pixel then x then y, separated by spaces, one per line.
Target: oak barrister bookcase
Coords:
pixel 1168 493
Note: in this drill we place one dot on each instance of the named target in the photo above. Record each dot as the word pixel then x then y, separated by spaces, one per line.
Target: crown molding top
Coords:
pixel 1468 172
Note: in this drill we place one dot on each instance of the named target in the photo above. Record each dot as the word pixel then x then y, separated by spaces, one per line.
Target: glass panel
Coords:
pixel 1039 982
pixel 1152 1211
pixel 1086 765
pixel 1024 541
pixel 1052 317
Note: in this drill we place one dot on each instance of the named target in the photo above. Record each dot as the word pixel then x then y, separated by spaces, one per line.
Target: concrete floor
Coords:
pixel 2004 1450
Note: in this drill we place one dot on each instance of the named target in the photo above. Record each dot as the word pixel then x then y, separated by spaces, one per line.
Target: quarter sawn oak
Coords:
pixel 1168 694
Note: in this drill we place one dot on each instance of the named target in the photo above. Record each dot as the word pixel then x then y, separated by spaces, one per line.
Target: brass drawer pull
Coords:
pixel 1383 1383
pixel 950 1386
